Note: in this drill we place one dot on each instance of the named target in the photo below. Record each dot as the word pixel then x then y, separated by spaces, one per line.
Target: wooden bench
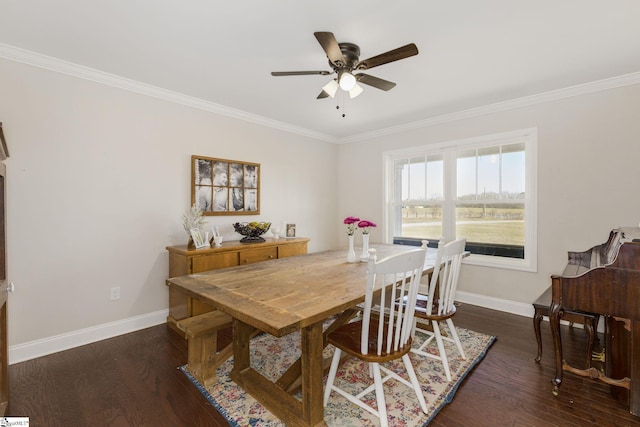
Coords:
pixel 202 332
pixel 590 321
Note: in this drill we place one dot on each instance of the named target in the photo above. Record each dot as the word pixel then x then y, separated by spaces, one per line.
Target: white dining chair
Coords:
pixel 438 305
pixel 376 339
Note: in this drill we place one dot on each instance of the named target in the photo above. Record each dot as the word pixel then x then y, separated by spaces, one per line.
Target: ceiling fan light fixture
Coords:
pixel 344 59
pixel 331 88
pixel 357 90
pixel 347 81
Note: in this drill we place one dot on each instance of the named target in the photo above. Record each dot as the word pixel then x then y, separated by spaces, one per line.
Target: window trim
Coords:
pixel 448 148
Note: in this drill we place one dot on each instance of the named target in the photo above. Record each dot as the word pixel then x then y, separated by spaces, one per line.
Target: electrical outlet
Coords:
pixel 115 293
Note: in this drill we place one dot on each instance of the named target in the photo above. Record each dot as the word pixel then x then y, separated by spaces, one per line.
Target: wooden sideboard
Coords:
pixel 183 261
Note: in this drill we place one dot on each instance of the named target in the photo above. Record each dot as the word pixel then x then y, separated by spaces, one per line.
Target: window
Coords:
pixel 480 188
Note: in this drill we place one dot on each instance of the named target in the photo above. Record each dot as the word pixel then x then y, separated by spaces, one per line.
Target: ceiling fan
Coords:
pixel 344 60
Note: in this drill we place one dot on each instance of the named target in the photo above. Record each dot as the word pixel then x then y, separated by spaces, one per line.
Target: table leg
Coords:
pixel 290 381
pixel 312 388
pixel 306 413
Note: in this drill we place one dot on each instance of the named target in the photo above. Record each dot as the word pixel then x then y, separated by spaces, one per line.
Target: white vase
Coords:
pixel 351 255
pixel 364 257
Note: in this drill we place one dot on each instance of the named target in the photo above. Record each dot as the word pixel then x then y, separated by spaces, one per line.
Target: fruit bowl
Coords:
pixel 251 231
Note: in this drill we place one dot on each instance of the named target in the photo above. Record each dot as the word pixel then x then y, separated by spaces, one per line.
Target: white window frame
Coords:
pixel 529 136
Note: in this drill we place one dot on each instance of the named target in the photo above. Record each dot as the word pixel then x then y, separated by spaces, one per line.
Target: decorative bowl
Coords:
pixel 252 231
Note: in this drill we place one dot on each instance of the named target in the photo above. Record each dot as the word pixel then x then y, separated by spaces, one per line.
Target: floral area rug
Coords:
pixel 272 356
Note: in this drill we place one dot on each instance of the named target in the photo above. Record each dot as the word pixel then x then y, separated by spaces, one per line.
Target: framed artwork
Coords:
pixel 291 230
pixel 225 187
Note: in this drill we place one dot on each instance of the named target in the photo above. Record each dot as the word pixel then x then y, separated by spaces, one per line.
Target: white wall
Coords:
pixel 588 182
pixel 98 179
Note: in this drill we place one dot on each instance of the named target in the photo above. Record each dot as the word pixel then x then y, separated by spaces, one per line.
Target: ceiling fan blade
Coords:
pixel 390 56
pixel 375 81
pixel 300 73
pixel 322 95
pixel 330 45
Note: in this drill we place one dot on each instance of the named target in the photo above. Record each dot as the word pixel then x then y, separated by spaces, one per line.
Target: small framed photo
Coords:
pixel 291 230
pixel 198 240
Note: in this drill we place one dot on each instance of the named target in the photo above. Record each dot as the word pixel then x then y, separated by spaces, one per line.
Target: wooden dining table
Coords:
pixel 281 296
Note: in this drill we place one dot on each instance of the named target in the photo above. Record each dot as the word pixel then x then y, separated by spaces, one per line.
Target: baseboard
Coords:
pixel 513 307
pixel 31 350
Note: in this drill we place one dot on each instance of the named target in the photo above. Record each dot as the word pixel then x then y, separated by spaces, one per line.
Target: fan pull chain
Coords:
pixel 340 97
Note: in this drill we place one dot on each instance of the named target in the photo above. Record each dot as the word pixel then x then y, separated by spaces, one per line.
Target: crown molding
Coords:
pixel 54 64
pixel 568 92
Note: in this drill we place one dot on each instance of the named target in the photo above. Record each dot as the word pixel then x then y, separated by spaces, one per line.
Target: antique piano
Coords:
pixel 604 280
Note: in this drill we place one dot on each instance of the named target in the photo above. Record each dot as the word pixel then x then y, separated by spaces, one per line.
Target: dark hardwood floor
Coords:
pixel 133 380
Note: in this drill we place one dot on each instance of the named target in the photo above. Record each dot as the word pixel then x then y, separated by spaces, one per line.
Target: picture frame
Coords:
pixel 197 238
pixel 290 231
pixel 225 187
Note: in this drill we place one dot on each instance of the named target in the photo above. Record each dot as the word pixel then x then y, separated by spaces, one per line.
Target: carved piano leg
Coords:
pixel 590 330
pixel 554 321
pixel 537 318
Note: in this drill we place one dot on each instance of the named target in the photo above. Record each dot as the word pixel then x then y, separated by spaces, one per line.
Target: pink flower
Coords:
pixel 351 222
pixel 365 225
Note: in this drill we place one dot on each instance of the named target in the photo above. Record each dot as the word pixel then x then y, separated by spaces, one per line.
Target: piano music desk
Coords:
pixel 590 321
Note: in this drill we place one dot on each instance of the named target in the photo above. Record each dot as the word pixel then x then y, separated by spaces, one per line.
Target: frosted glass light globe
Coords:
pixel 347 81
